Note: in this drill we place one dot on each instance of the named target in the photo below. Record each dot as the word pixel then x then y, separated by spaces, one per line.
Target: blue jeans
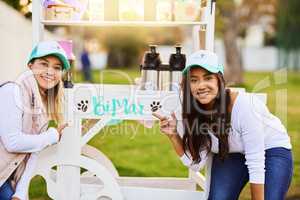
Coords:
pixel 6 191
pixel 228 178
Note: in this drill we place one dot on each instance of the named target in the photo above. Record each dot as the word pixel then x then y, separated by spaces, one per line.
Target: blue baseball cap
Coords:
pixel 205 59
pixel 47 48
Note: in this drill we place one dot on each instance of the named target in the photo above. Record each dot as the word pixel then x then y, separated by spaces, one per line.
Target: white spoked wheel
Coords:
pixel 101 186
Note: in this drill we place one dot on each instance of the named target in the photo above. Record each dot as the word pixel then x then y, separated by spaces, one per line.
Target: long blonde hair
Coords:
pixel 52 100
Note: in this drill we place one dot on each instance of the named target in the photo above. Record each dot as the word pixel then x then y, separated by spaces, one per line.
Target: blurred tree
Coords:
pixel 125 46
pixel 13 3
pixel 23 6
pixel 229 27
pixel 233 18
pixel 288 40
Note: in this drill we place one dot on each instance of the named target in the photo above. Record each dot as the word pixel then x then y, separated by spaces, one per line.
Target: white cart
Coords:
pixel 84 101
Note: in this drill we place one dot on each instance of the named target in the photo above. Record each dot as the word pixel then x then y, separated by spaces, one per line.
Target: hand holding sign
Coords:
pixel 167 126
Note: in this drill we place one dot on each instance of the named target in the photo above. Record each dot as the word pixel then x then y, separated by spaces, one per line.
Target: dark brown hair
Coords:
pixel 197 121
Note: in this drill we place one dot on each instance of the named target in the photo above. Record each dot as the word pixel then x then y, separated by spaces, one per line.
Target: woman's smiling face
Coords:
pixel 47 71
pixel 204 86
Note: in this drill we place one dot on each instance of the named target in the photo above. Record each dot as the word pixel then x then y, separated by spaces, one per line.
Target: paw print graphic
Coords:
pixel 83 105
pixel 155 106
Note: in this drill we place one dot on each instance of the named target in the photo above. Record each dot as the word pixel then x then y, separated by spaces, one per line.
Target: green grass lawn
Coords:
pixel 137 151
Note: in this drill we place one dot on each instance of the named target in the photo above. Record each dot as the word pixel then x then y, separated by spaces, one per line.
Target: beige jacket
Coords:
pixel 34 122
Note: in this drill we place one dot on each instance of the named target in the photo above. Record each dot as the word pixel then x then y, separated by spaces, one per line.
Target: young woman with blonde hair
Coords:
pixel 27 106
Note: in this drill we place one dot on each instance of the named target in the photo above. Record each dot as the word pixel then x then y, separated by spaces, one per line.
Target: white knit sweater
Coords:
pixel 254 130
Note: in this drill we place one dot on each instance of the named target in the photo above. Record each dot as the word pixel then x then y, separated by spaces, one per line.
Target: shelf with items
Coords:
pixel 149 14
pixel 122 23
pixel 124 12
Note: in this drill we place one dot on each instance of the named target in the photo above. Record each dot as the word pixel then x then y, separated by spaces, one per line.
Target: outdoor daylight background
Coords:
pixel 257 40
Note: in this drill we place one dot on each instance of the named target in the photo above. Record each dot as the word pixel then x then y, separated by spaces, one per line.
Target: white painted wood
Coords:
pixel 98 156
pixel 69 150
pixel 94 130
pixel 210 12
pixel 196 40
pixel 197 178
pixel 46 160
pixel 111 188
pixel 236 89
pixel 101 184
pixel 207 175
pixel 122 23
pixel 136 193
pixel 38 28
pixel 119 102
pixel 158 182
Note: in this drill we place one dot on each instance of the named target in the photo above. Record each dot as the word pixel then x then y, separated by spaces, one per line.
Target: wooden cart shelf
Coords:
pixel 123 23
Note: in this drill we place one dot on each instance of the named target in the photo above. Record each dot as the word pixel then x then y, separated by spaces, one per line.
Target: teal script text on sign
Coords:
pixel 114 106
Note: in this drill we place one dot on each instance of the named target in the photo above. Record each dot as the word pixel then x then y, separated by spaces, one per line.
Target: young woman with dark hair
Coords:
pixel 246 141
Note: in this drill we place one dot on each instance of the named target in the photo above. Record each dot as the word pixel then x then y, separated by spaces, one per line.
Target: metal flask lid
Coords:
pixel 151 59
pixel 164 67
pixel 177 60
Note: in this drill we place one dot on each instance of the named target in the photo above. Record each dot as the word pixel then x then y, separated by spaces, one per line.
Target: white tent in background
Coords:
pixel 15 42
